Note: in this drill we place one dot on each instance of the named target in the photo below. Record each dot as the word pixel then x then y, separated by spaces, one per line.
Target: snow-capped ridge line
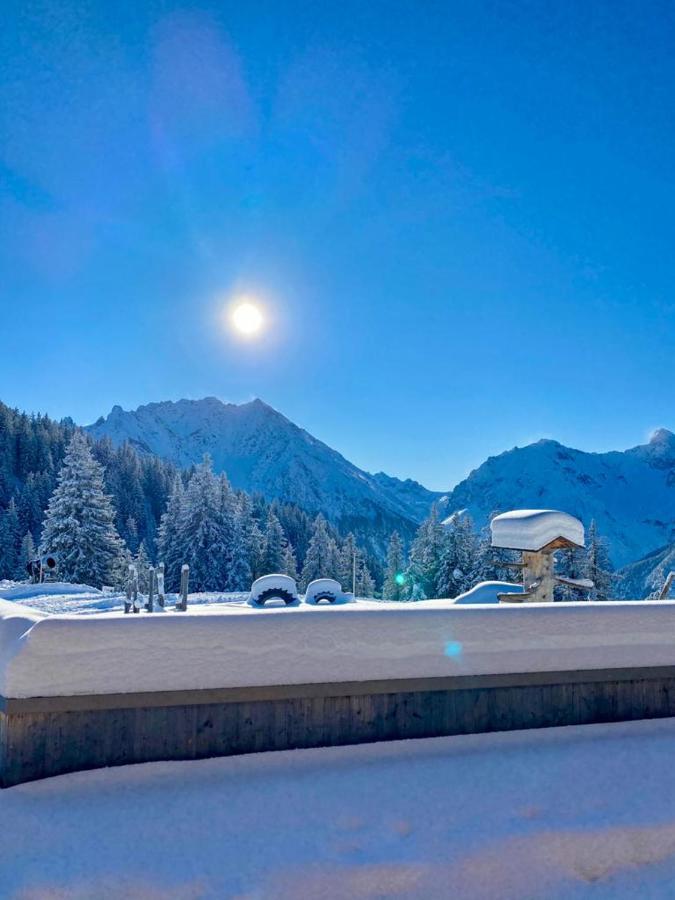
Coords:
pixel 263 451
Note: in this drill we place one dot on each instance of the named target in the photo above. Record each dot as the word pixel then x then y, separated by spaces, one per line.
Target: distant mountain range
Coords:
pixel 263 452
pixel 630 494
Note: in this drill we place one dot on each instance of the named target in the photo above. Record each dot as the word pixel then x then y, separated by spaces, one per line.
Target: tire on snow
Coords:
pixel 319 597
pixel 274 594
pixel 273 587
pixel 323 589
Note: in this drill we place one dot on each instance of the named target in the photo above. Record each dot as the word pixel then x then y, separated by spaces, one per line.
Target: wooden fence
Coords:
pixel 43 736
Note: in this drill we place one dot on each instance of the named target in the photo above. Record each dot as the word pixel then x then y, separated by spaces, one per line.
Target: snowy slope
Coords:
pixel 562 814
pixel 630 494
pixel 641 578
pixel 262 451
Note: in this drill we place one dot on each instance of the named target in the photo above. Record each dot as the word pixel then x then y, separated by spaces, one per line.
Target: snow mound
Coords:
pixel 533 529
pixel 49 588
pixel 488 591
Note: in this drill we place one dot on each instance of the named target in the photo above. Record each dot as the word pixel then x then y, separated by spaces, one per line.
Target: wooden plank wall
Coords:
pixel 38 742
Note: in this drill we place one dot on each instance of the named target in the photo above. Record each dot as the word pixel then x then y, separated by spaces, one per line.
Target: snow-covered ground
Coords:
pixel 62 597
pixel 569 813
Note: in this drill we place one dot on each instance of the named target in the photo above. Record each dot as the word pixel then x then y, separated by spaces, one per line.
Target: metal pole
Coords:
pixel 354 573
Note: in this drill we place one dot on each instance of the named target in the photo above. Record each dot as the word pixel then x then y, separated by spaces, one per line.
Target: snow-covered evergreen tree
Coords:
pixel 464 558
pixel 130 534
pixel 345 565
pixel 468 570
pixel 142 563
pixel 365 584
pixel 254 537
pixel 290 564
pixel 202 530
pixel 27 554
pixel 170 549
pixel 240 576
pixel 598 565
pixel 425 558
pixel 10 541
pixel 571 562
pixel 322 554
pixel 79 526
pixel 394 579
pixel 274 544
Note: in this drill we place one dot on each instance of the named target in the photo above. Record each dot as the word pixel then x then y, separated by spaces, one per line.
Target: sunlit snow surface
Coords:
pixel 568 813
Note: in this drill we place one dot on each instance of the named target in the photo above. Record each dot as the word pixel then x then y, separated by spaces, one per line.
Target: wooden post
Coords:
pixel 538 580
pixel 184 579
pixel 161 596
pixel 150 605
pixel 130 578
pixel 134 589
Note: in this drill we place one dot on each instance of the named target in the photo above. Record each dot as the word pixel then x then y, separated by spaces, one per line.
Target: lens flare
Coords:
pixel 453 649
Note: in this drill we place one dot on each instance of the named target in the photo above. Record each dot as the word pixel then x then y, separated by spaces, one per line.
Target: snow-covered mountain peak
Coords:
pixel 630 494
pixel 263 451
pixel 659 451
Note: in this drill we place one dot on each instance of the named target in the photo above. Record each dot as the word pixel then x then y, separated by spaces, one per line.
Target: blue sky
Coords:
pixel 458 217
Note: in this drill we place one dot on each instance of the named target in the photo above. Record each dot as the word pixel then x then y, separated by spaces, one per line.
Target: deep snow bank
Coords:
pixel 234 646
pixel 581 813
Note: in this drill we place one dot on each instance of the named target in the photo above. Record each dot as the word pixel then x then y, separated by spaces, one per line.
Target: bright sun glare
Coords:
pixel 247 318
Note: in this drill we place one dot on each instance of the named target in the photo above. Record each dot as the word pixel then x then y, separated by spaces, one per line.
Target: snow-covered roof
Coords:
pixel 533 529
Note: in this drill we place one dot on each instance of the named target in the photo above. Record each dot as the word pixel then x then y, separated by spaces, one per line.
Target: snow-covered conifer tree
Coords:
pixel 598 565
pixel 392 588
pixel 142 563
pixel 240 576
pixel 571 562
pixel 201 532
pixel 290 564
pixel 254 538
pixel 274 544
pixel 365 584
pixel 345 569
pixel 425 558
pixel 170 549
pixel 322 553
pixel 467 573
pixel 79 525
pixel 27 554
pixel 10 540
pixel 228 509
pixel 131 534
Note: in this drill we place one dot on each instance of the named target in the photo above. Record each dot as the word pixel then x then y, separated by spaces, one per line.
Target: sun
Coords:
pixel 247 318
